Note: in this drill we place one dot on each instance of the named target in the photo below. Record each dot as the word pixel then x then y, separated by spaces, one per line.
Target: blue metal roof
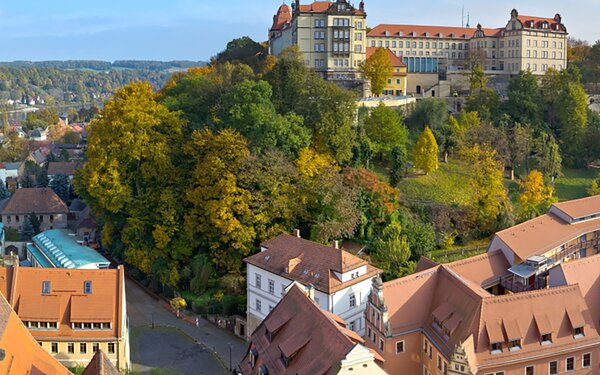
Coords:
pixel 62 251
pixel 39 256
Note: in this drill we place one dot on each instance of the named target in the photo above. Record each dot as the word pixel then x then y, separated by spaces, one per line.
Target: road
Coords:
pixel 176 344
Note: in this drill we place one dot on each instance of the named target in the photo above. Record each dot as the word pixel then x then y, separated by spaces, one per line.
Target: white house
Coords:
pixel 341 281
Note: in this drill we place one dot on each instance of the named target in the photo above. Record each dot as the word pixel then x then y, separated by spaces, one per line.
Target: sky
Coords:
pixel 198 29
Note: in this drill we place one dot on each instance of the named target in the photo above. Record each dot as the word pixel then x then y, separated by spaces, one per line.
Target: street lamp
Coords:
pixel 230 348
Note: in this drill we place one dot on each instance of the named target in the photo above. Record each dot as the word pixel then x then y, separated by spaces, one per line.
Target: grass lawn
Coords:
pixel 449 184
pixel 574 183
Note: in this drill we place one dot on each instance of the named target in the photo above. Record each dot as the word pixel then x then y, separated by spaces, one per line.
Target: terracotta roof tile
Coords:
pixel 538 21
pixel 309 262
pixel 426 31
pixel 394 60
pixel 580 208
pixel 36 200
pixel 100 365
pixel 37 307
pixel 92 308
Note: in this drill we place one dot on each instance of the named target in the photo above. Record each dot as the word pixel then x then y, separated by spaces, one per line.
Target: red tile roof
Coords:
pixel 100 365
pixel 579 208
pixel 67 168
pixel 538 21
pixel 395 60
pixel 425 31
pixel 321 7
pixel 36 200
pixel 299 329
pixel 283 16
pixel 309 262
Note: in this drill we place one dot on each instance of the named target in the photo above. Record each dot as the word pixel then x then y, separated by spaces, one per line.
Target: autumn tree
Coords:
pixel 131 180
pixel 377 68
pixel 220 216
pixel 385 129
pixel 425 152
pixel 536 197
pixel 491 198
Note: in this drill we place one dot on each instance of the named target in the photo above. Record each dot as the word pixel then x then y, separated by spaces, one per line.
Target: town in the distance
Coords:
pixel 343 197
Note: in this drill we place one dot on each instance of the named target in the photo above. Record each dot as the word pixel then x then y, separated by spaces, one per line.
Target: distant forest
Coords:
pixel 79 81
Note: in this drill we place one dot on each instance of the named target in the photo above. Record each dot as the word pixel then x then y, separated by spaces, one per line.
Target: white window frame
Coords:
pixel 583 356
pixel 567 362
pixel 403 346
pixel 557 365
pixel 531 367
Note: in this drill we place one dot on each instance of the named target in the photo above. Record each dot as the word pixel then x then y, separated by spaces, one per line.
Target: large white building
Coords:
pixel 341 281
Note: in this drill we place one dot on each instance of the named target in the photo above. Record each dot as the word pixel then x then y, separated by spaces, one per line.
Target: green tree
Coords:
pixel 385 129
pixel 524 100
pixel 399 160
pixel 61 185
pixel 70 137
pixel 478 80
pixel 4 193
pixel 391 252
pixel 27 229
pixel 572 115
pixel 428 112
pixel 425 152
pixel 377 68
pixel 34 221
pixel 547 155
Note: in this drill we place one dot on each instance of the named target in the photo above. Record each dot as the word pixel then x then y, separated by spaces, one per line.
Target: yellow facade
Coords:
pixel 396 83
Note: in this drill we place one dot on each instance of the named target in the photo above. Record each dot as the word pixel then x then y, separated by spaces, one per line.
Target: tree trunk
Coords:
pixel 446 157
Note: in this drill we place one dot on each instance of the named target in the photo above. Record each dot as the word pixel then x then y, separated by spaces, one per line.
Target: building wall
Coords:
pixel 54 221
pixel 82 359
pixel 541 365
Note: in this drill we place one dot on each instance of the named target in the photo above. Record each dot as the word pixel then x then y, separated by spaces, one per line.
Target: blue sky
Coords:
pixel 198 29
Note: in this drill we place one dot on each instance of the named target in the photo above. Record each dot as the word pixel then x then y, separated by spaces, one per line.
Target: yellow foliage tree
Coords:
pixel 310 163
pixel 536 197
pixel 377 68
pixel 425 152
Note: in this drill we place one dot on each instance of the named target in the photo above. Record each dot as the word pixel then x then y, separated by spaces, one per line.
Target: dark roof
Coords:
pixel 100 365
pixel 309 262
pixel 316 341
pixel 36 200
pixel 67 168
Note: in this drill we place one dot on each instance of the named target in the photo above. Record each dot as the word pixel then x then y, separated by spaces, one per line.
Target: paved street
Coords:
pixel 175 343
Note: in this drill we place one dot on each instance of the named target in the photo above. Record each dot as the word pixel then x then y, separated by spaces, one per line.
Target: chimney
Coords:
pixel 336 244
pixel 292 263
pixel 297 233
pixel 310 291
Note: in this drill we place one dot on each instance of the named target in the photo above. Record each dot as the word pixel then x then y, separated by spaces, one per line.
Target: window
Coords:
pixel 87 287
pixel 45 287
pixel 353 298
pixel 439 362
pixel 578 332
pixel 54 347
pixel 381 344
pixel 257 281
pixel 553 368
pixel 271 287
pixel 529 370
pixel 95 347
pixel 111 348
pixel 83 348
pixel 369 331
pixel 514 345
pixel 546 338
pixel 586 361
pixel 570 364
pixel 496 347
pixel 258 305
pixel 71 348
pixel 399 347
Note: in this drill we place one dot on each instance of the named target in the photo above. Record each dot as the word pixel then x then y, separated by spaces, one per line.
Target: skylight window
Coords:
pixel 87 287
pixel 45 287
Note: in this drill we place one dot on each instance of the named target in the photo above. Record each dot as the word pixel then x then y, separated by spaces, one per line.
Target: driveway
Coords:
pixel 174 343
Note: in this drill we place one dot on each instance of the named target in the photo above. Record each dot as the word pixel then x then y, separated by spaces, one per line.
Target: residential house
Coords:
pixel 529 305
pixel 38 156
pixel 331 36
pixel 43 202
pixel 396 83
pixel 72 313
pixel 342 281
pixel 58 248
pixel 65 168
pixel 298 337
pixel 38 135
pixel 11 171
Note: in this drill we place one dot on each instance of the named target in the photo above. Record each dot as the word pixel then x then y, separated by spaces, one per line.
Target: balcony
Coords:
pixel 512 283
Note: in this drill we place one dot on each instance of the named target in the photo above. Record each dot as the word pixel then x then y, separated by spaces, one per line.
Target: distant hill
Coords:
pixel 105 65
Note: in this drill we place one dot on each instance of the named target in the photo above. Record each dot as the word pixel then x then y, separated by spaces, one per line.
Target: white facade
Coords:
pixel 265 290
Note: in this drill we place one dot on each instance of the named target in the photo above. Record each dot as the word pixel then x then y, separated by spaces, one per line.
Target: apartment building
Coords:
pixel 331 35
pixel 298 337
pixel 529 305
pixel 72 313
pixel 433 52
pixel 341 281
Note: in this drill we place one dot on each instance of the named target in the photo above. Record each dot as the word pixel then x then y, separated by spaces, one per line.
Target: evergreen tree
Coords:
pixel 398 163
pixel 61 186
pixel 27 229
pixel 34 221
pixel 4 193
pixel 425 152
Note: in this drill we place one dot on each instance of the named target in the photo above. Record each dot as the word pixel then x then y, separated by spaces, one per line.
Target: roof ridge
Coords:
pixel 532 293
pixel 412 277
pixel 475 258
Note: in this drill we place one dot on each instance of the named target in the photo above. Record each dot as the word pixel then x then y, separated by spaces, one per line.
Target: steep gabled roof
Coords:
pixel 309 262
pixel 395 61
pixel 538 21
pixel 36 200
pixel 100 365
pixel 312 341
